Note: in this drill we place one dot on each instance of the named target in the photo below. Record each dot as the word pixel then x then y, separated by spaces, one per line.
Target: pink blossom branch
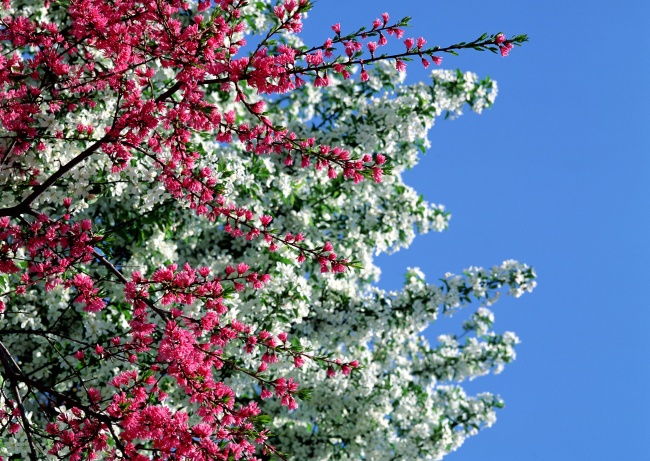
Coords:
pixel 16 375
pixel 12 371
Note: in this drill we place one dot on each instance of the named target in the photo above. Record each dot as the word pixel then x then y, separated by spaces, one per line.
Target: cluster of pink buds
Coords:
pixel 504 45
pixel 53 247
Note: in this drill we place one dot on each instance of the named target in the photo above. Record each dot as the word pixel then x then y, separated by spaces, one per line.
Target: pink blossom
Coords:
pixel 505 49
pixel 242 268
pixel 279 11
pixel 321 81
pixel 258 107
pixel 264 335
pixel 377 174
pixel 94 395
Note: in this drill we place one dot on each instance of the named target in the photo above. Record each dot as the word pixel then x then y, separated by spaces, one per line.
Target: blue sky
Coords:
pixel 557 175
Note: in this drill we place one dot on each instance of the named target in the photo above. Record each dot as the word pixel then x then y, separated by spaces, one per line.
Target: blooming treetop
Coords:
pixel 187 233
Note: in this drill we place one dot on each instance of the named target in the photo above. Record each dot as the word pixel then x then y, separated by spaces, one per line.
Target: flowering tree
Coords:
pixel 190 204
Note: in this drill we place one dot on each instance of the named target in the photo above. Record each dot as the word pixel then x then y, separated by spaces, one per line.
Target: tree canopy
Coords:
pixel 191 201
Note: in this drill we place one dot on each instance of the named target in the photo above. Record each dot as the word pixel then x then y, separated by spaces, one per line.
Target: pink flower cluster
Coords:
pixel 53 247
pixel 504 45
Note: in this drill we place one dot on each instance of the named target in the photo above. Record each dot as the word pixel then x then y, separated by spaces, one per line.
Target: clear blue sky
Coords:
pixel 556 174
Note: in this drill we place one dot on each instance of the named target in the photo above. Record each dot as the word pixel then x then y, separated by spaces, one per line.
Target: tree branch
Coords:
pixel 9 364
pixel 25 205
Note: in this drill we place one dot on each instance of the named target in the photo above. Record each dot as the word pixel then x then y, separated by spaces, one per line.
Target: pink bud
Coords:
pixel 364 76
pixel 94 394
pixel 264 335
pixel 242 268
pixel 258 107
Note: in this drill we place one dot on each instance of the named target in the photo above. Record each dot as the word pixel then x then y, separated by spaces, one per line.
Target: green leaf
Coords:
pixel 305 393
